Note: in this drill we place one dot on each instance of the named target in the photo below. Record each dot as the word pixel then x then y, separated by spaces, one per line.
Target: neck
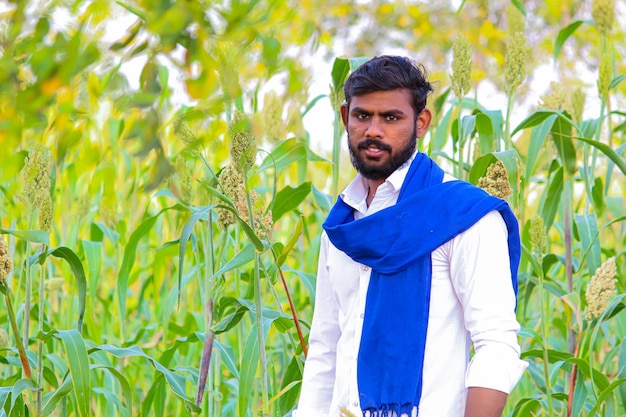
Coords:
pixel 372 186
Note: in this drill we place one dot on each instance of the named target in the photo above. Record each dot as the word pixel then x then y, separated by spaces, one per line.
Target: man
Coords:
pixel 414 267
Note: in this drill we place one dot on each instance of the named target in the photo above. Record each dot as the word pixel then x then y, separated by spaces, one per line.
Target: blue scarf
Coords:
pixel 396 243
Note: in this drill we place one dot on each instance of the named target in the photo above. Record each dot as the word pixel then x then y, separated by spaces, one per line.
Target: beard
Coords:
pixel 379 172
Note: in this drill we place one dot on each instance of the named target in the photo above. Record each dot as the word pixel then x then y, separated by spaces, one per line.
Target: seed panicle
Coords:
pixel 6 263
pixel 601 289
pixel 461 66
pixel 496 181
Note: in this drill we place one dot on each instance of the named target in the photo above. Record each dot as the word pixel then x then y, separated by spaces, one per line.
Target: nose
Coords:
pixel 374 128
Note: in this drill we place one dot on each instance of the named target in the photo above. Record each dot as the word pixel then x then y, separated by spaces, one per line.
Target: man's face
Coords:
pixel 382 131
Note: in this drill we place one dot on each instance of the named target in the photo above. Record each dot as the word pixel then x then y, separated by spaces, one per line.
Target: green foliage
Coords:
pixel 140 302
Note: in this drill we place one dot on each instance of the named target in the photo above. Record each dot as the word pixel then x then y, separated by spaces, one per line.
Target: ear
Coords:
pixel 423 122
pixel 344 115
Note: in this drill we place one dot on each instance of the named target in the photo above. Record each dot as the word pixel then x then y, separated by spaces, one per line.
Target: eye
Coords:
pixel 362 116
pixel 391 118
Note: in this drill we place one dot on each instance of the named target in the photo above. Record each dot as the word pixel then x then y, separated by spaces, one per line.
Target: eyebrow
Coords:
pixel 392 112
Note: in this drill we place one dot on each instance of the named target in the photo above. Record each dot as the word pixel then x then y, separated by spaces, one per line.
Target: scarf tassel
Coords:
pixel 391 410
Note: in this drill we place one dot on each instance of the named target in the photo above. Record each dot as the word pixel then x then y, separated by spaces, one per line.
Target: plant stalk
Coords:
pixel 205 363
pixel 260 333
pixel 508 143
pixel 544 329
pixel 336 152
pixel 459 167
pixel 42 301
pixel 16 332
pixel 293 313
pixel 567 227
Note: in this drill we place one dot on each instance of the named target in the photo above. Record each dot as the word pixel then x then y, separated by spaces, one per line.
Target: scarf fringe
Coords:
pixel 392 410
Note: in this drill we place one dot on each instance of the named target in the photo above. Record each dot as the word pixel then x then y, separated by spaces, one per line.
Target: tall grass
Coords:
pixel 175 280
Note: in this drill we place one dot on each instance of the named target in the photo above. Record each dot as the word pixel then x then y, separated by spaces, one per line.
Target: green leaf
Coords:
pixel 509 160
pixel 552 198
pixel 580 395
pixel 621 371
pixel 79 275
pixel 553 355
pixel 288 199
pixel 35 236
pixel 184 238
pixel 615 82
pixel 563 35
pixel 527 407
pixel 480 166
pixel 293 240
pixel 51 401
pixel 4 396
pixel 468 124
pixel 562 135
pixel 18 388
pixel 588 128
pixel 133 10
pixel 258 245
pixel 245 256
pixel 228 357
pixel 608 151
pixel 116 127
pixel 93 254
pixel 284 154
pixel 484 126
pixel 440 101
pixel 440 136
pixel 340 72
pixel 130 252
pixel 342 68
pixel 233 318
pixel 537 139
pixel 533 120
pixel 605 393
pixel 323 200
pixel 312 103
pixel 519 6
pixel 78 360
pixel 600 380
pixel 248 366
pixel 587 225
pixel 176 382
pixel 124 384
pixel 290 387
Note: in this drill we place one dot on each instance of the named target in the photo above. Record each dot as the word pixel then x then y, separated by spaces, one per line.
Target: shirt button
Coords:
pixel 355 404
pixel 365 268
pixel 362 316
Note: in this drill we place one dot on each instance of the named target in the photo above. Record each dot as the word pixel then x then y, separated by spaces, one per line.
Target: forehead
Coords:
pixel 384 100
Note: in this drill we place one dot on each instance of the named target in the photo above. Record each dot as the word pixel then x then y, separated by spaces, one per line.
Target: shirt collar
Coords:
pixel 355 193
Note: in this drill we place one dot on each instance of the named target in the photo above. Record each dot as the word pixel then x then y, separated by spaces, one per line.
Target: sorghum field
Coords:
pixel 159 229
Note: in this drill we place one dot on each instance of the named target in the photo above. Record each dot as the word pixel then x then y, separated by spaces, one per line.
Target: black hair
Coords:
pixel 388 72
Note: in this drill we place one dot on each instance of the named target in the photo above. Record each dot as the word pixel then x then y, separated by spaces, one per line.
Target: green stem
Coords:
pixel 545 313
pixel 40 319
pixel 259 312
pixel 459 142
pixel 260 333
pixel 16 332
pixel 28 293
pixel 508 143
pixel 336 152
pixel 567 237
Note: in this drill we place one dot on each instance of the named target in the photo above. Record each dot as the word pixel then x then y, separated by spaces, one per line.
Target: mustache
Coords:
pixel 374 142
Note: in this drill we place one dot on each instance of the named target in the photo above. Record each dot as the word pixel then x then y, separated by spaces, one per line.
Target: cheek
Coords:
pixel 354 131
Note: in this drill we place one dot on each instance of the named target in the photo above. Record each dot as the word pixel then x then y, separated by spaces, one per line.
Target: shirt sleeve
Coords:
pixel 480 272
pixel 319 369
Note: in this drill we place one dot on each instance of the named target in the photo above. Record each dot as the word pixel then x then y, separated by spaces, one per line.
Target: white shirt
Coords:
pixel 472 301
